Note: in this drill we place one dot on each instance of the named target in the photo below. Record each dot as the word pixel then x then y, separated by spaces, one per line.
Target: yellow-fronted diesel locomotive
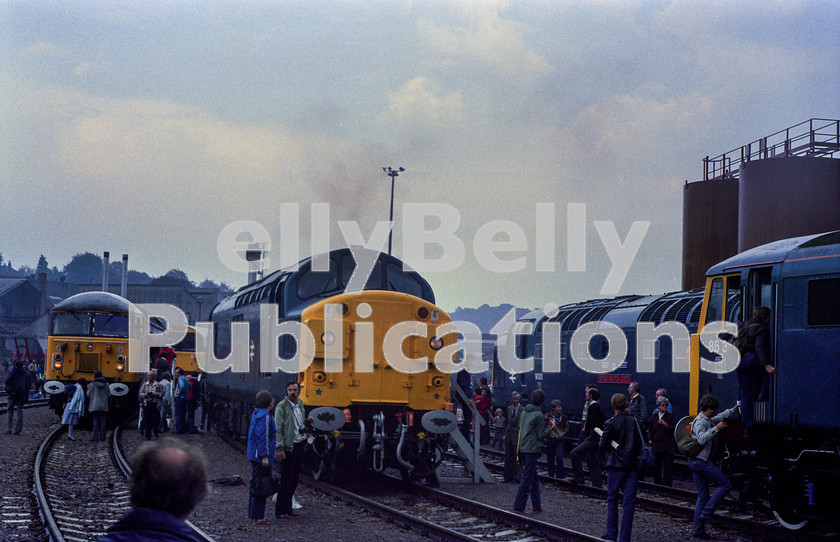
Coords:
pixel 89 332
pixel 368 412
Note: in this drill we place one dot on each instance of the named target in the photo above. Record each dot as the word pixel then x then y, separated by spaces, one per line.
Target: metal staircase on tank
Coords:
pixel 468 455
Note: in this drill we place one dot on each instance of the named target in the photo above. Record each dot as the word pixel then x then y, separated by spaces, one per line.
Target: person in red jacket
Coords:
pixel 482 403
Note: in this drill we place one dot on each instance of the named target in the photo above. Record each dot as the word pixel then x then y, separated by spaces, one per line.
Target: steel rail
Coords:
pixel 733 519
pixel 419 525
pixel 528 523
pixel 125 468
pixel 41 497
pixel 32 403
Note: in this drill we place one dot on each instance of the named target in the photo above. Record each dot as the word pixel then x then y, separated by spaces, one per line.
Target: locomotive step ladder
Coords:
pixel 469 455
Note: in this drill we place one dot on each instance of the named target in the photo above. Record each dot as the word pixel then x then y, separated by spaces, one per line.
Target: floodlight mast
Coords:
pixel 393 173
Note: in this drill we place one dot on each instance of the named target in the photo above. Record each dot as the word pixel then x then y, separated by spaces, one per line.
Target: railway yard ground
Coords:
pixel 223 514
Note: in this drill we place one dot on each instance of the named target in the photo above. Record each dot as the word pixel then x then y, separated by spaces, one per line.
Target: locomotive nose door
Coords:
pixel 386 384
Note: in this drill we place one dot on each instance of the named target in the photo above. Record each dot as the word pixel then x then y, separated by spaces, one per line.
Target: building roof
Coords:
pixel 9 284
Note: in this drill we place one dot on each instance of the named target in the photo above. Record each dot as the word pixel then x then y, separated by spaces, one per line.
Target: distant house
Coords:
pixel 20 306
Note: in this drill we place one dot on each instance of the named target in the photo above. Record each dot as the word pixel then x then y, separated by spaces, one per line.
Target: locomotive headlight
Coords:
pixel 327 338
pixel 121 359
pixel 436 343
pixel 57 362
pixel 57 357
pixel 422 313
pixel 120 367
pixel 90 346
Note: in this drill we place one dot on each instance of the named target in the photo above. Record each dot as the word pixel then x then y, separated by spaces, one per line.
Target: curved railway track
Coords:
pixel 81 487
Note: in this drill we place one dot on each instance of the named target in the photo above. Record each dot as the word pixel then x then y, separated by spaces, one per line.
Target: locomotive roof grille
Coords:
pixel 573 321
pixel 685 309
pixel 647 314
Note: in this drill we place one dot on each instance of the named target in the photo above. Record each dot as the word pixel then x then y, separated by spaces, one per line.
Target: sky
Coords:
pixel 151 128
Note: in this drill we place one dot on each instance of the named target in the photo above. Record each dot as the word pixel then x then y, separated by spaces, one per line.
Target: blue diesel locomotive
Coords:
pixel 791 462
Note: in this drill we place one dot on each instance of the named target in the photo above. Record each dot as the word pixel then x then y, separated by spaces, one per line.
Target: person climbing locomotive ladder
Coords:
pixel 755 366
pixel 705 429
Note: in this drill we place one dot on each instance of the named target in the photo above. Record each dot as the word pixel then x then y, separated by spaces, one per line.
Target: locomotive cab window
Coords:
pixel 824 302
pixel 348 266
pixel 401 281
pixel 760 289
pixel 312 283
pixel 187 344
pixel 71 323
pixel 714 310
pixel 110 325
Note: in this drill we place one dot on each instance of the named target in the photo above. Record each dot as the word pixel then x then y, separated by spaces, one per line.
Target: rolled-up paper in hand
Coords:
pixel 599 432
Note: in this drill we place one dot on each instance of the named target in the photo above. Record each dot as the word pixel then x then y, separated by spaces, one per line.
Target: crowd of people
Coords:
pixel 609 444
pixel 612 444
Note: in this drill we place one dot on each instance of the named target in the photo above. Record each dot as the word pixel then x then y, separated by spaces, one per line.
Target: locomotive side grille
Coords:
pixel 648 314
pixel 88 362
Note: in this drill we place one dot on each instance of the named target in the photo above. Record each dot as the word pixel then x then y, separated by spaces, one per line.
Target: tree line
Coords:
pixel 86 268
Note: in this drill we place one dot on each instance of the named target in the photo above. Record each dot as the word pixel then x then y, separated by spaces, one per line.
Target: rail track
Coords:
pixel 441 515
pixel 446 516
pixel 32 403
pixel 82 487
pixel 676 502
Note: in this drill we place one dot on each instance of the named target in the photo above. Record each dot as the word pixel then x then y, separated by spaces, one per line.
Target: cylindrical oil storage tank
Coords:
pixel 710 227
pixel 787 197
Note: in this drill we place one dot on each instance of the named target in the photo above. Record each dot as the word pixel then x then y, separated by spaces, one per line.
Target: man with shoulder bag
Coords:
pixel 621 442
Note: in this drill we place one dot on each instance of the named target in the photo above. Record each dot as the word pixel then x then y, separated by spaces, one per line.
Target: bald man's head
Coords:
pixel 169 475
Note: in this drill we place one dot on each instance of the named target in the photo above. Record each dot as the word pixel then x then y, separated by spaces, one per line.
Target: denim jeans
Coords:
pixel 15 404
pixel 529 484
pixel 554 457
pixel 589 451
pixel 627 482
pixel 180 415
pixel 99 420
pixel 705 472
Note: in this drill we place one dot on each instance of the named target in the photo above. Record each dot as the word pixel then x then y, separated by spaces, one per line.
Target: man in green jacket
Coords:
pixel 533 428
pixel 290 419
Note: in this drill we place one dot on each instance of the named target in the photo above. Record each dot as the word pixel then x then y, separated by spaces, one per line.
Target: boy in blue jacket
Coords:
pixel 262 435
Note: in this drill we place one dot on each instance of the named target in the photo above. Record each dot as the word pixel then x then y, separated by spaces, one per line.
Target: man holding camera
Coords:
pixel 291 421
